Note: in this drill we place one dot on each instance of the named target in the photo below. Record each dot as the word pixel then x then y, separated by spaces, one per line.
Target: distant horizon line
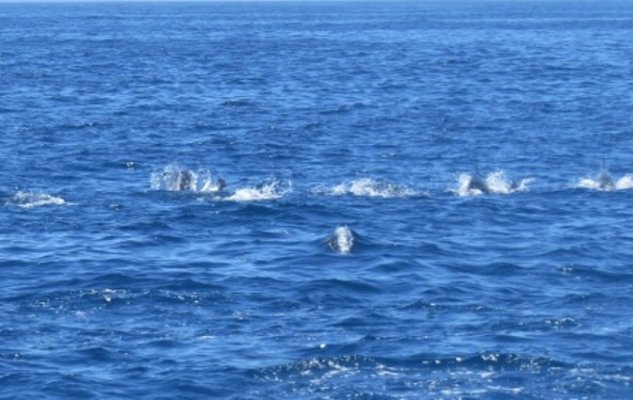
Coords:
pixel 18 2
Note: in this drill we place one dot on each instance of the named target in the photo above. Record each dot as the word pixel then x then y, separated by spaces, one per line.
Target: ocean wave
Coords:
pixel 26 199
pixel 496 182
pixel 271 190
pixel 367 187
pixel 174 177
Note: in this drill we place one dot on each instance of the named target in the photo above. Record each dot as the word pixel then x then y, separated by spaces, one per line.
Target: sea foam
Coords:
pixel 367 187
pixel 26 199
pixel 271 190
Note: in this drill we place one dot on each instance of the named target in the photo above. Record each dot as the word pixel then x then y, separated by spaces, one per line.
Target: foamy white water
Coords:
pixel 26 199
pixel 368 187
pixel 268 191
pixel 624 183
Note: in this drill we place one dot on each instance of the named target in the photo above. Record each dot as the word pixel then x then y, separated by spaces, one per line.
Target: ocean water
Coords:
pixel 350 254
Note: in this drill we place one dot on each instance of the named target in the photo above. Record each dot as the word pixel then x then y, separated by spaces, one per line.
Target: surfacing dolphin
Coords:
pixel 184 180
pixel 342 240
pixel 604 180
pixel 477 182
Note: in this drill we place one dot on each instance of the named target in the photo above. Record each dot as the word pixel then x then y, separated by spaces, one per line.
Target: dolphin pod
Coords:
pixel 177 178
pixel 496 182
pixel 343 240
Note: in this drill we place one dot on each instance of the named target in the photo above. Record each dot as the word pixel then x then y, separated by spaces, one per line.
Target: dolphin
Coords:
pixel 184 180
pixel 604 180
pixel 220 184
pixel 342 240
pixel 476 182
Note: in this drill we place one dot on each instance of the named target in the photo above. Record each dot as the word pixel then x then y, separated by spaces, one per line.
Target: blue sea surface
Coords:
pixel 349 255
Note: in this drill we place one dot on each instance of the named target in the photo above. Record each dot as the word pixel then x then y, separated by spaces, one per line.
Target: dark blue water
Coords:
pixel 347 257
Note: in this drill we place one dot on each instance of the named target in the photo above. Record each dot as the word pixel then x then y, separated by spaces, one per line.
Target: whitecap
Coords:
pixel 496 182
pixel 26 199
pixel 368 187
pixel 268 191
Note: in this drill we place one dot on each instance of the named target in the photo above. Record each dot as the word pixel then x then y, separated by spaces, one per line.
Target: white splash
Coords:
pixel 368 187
pixel 210 185
pixel 342 240
pixel 174 177
pixel 589 183
pixel 624 183
pixel 464 186
pixel 25 199
pixel 496 182
pixel 269 191
pixel 604 182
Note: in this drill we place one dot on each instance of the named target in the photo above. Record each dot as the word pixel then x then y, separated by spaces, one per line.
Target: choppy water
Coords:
pixel 348 256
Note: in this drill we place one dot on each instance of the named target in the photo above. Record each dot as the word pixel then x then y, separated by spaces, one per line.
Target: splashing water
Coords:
pixel 368 187
pixel 212 186
pixel 177 178
pixel 600 182
pixel 495 182
pixel 624 183
pixel 30 200
pixel 342 240
pixel 267 191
